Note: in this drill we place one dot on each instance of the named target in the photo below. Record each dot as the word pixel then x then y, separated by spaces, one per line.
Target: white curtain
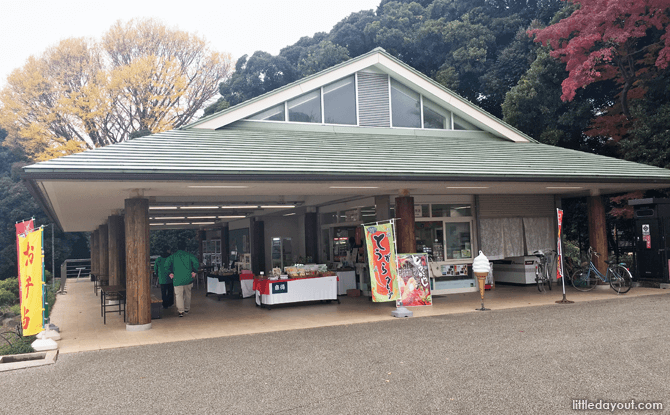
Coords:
pixel 512 237
pixel 539 233
pixel 502 237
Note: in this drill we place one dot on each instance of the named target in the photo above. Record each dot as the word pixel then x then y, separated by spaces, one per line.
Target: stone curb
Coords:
pixel 22 361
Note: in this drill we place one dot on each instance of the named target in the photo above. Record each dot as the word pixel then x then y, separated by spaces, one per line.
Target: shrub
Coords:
pixel 7 297
pixel 17 346
pixel 11 285
pixel 15 309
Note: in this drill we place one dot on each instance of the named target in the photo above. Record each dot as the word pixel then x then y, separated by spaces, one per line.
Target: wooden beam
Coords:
pixel 103 251
pixel 94 252
pixel 598 231
pixel 117 250
pixel 138 281
pixel 311 236
pixel 225 245
pixel 405 231
pixel 257 232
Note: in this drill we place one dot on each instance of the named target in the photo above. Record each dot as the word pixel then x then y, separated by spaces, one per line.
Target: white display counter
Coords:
pixel 271 292
pixel 347 281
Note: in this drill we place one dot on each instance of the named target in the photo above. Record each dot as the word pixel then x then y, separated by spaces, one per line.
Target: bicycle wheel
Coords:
pixel 538 278
pixel 620 279
pixel 583 280
pixel 548 280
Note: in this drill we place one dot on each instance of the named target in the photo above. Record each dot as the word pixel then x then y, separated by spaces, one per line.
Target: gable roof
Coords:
pixel 249 151
pixel 382 61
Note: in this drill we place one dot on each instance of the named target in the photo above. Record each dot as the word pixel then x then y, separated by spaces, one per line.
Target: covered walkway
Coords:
pixel 77 313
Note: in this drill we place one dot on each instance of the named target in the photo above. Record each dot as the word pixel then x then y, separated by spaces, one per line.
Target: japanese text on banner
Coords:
pixel 22 228
pixel 30 262
pixel 414 280
pixel 383 267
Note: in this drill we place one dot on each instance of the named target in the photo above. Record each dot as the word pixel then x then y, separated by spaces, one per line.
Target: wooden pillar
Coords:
pixel 117 250
pixel 598 231
pixel 311 236
pixel 202 235
pixel 405 231
pixel 225 245
pixel 94 253
pixel 138 283
pixel 257 232
pixel 103 241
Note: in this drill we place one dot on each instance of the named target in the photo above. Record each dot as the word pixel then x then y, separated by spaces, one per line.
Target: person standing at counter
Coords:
pixel 182 267
pixel 162 272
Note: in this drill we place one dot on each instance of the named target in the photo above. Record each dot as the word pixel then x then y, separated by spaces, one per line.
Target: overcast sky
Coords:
pixel 238 27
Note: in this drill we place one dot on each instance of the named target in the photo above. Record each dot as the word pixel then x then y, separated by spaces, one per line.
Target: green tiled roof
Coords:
pixel 322 152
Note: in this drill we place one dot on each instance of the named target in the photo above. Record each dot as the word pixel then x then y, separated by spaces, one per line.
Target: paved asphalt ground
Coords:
pixel 533 360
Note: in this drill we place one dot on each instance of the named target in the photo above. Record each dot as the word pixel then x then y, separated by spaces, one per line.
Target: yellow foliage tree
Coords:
pixel 141 77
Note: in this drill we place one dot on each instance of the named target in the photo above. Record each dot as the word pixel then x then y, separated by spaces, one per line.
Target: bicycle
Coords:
pixel 617 275
pixel 542 269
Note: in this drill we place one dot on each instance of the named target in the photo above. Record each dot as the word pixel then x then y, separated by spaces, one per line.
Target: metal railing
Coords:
pixel 74 268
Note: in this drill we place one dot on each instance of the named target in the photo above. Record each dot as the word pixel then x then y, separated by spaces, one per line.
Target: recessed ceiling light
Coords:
pixel 156 224
pixel 467 187
pixel 202 223
pixel 564 187
pixel 277 206
pixel 290 214
pixel 239 207
pixel 170 217
pixel 354 187
pixel 162 207
pixel 231 217
pixel 201 217
pixel 217 187
pixel 199 207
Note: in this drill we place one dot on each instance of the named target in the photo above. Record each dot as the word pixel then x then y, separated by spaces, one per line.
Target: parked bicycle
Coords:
pixel 617 275
pixel 543 269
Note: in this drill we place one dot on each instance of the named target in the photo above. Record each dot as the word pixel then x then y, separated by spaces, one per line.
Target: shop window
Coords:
pixel 328 218
pixel 450 211
pixel 368 214
pixel 339 102
pixel 422 211
pixel 458 240
pixel 406 111
pixel 282 253
pixel 435 117
pixel 430 239
pixel 275 113
pixel 306 108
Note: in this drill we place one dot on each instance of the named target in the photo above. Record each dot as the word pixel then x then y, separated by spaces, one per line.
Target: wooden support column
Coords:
pixel 138 283
pixel 405 231
pixel 311 236
pixel 202 235
pixel 225 245
pixel 94 252
pixel 117 250
pixel 103 241
pixel 257 233
pixel 598 231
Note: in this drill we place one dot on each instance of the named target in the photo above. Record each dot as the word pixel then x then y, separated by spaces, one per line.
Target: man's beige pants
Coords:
pixel 182 297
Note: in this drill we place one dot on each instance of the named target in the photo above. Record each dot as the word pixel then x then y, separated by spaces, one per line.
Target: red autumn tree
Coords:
pixel 620 40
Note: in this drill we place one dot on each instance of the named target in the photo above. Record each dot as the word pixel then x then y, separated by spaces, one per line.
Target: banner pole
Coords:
pixel 559 249
pixel 400 310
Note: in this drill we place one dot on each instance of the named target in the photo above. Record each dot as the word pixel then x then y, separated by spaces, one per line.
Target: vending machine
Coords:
pixel 652 239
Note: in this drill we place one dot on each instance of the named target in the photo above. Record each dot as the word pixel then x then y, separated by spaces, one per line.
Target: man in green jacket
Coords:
pixel 163 274
pixel 182 267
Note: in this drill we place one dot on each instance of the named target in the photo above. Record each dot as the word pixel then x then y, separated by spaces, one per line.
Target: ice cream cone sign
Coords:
pixel 481 268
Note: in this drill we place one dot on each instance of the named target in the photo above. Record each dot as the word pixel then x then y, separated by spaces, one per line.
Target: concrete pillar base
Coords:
pixel 138 327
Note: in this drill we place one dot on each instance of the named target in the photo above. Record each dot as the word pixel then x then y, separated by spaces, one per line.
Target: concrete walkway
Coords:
pixel 77 313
